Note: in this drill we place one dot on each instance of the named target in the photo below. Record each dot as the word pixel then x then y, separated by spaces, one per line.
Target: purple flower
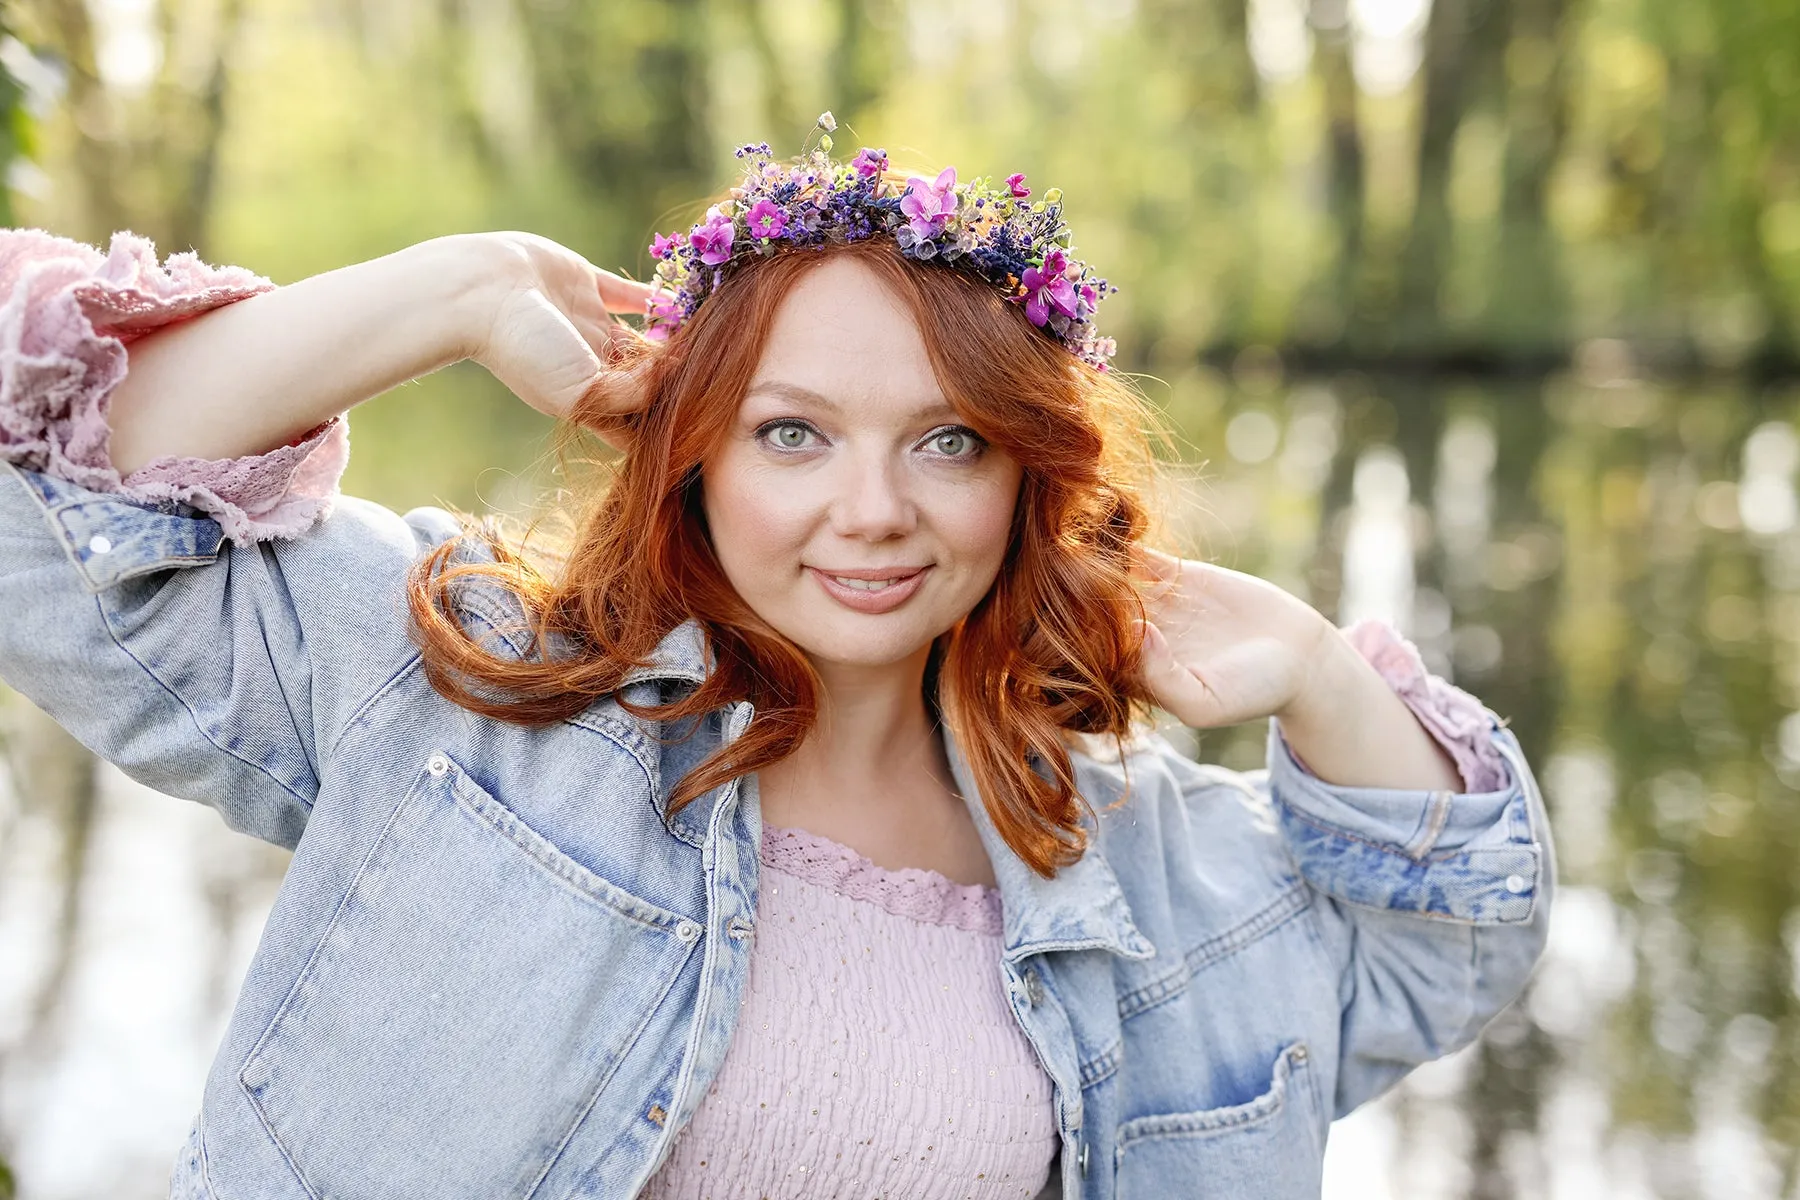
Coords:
pixel 1048 287
pixel 929 205
pixel 662 247
pixel 766 220
pixel 1016 185
pixel 713 239
pixel 869 162
pixel 664 310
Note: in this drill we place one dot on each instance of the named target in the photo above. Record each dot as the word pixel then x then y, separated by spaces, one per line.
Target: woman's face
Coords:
pixel 848 505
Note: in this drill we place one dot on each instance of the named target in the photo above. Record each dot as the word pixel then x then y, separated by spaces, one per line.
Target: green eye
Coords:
pixel 788 435
pixel 954 443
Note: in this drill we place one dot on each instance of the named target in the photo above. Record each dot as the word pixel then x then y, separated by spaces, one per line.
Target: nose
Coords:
pixel 871 500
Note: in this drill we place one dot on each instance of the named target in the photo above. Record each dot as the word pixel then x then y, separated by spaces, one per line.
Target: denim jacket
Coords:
pixel 500 967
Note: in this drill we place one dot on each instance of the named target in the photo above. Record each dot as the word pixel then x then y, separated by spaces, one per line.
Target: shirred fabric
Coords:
pixel 67 313
pixel 876 1053
pixel 1456 720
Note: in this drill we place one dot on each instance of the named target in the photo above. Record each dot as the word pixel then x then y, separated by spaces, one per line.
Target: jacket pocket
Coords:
pixel 471 996
pixel 1269 1148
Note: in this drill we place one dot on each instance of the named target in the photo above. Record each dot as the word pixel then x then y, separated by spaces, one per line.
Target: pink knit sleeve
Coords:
pixel 67 312
pixel 1456 720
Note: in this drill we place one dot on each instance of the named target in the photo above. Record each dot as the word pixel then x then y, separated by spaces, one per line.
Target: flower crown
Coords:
pixel 996 233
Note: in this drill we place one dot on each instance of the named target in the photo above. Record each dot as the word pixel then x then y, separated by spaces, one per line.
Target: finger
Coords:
pixel 1172 685
pixel 1155 564
pixel 1159 573
pixel 620 294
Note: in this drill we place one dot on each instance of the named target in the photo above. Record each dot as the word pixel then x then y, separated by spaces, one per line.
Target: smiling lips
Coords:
pixel 872 590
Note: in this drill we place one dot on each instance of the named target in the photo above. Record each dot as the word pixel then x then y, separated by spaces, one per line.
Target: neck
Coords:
pixel 873 728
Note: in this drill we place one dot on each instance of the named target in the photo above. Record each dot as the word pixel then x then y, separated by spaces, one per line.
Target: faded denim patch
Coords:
pixel 1484 885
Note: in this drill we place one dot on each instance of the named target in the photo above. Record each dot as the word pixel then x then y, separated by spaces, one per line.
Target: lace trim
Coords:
pixel 914 893
pixel 67 313
pixel 1456 720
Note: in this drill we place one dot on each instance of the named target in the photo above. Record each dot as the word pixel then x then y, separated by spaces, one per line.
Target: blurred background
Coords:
pixel 1482 315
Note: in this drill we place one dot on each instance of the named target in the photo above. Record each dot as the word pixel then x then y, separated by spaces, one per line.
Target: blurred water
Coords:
pixel 1611 563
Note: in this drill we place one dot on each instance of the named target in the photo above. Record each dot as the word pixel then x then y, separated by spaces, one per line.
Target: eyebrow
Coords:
pixel 783 390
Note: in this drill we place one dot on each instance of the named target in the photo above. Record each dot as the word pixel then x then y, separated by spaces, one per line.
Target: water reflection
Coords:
pixel 1611 562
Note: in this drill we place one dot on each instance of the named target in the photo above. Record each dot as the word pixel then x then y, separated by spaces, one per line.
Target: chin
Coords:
pixel 861 641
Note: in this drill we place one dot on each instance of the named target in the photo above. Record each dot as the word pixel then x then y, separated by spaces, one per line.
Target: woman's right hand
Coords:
pixel 552 335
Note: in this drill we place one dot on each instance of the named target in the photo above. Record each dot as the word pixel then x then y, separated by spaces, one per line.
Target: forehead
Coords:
pixel 842 331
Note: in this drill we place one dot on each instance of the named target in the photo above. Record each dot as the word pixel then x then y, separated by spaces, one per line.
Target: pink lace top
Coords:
pixel 66 314
pixel 876 1053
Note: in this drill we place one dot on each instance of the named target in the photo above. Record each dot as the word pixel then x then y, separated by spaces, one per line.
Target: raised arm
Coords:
pixel 254 375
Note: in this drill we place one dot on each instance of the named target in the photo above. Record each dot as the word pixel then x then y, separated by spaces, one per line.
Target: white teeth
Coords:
pixel 866 585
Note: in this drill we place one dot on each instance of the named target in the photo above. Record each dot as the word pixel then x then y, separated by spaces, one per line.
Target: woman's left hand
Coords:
pixel 1223 647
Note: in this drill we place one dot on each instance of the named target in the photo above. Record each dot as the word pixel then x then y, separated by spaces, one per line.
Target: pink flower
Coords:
pixel 713 240
pixel 1016 185
pixel 665 315
pixel 1048 286
pixel 766 220
pixel 661 246
pixel 869 162
pixel 929 205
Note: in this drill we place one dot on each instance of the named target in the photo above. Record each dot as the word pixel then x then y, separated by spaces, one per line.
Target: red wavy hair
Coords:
pixel 1049 651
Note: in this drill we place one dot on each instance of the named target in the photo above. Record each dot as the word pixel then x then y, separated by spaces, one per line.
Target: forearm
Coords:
pixel 1350 728
pixel 253 375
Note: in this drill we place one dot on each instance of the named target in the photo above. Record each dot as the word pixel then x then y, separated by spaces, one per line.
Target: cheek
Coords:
pixel 752 518
pixel 978 522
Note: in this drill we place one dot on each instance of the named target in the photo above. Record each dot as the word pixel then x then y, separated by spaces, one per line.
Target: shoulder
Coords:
pixel 1154 803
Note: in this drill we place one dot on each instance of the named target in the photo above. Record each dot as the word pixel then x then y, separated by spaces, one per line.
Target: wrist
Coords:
pixel 468 276
pixel 1334 672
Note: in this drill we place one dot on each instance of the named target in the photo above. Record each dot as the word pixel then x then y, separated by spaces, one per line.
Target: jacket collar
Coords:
pixel 1081 908
pixel 681 656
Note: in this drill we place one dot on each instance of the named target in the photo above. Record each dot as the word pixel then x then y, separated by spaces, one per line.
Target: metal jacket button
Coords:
pixel 1034 988
pixel 99 543
pixel 437 764
pixel 687 931
pixel 1082 1160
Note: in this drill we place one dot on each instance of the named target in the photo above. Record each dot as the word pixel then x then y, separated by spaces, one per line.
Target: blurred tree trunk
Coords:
pixel 70 35
pixel 1464 40
pixel 622 89
pixel 1330 21
pixel 49 771
pixel 190 208
pixel 778 100
pixel 146 163
pixel 1530 312
pixel 862 58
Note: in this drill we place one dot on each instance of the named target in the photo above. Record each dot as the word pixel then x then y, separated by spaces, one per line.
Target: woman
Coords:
pixel 796 832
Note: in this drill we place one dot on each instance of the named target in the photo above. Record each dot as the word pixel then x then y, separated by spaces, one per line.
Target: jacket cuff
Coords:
pixel 67 313
pixel 1474 857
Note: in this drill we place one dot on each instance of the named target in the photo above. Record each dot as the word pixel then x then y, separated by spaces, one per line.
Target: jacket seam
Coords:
pixel 206 1182
pixel 363 709
pixel 1102 1066
pixel 107 625
pixel 650 1011
pixel 1266 920
pixel 199 727
pixel 300 978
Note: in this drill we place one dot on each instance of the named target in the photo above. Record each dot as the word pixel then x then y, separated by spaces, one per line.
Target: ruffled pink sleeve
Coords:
pixel 67 312
pixel 1456 720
